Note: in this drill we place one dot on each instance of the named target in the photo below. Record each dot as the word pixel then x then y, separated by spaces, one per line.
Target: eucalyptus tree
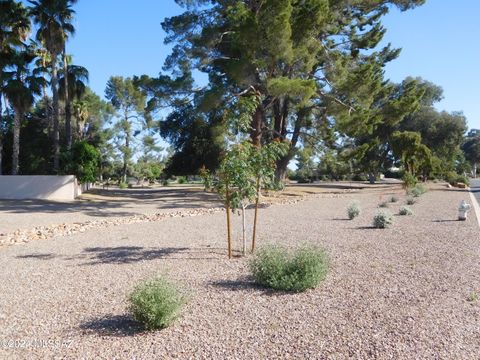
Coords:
pixel 297 56
pixel 14 29
pixel 130 103
pixel 54 21
pixel 21 85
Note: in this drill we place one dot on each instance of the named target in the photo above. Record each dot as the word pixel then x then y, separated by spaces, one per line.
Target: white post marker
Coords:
pixel 463 210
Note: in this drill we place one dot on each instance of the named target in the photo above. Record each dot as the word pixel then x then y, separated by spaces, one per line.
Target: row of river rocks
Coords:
pixel 51 231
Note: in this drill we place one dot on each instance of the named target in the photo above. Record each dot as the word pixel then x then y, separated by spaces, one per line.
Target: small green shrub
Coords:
pixel 277 268
pixel 353 210
pixel 411 201
pixel 450 177
pixel 123 185
pixel 165 182
pixel 418 190
pixel 181 180
pixel 382 220
pixel 359 177
pixel 394 199
pixel 409 180
pixel 383 204
pixel 472 297
pixel 405 210
pixel 463 179
pixel 156 303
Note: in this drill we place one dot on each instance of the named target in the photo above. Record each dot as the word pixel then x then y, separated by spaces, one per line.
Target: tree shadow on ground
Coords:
pixel 246 284
pixel 126 254
pixel 235 285
pixel 36 256
pixel 446 220
pixel 367 227
pixel 113 325
pixel 116 203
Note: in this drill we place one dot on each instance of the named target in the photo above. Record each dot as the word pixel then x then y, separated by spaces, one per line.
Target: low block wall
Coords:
pixel 39 187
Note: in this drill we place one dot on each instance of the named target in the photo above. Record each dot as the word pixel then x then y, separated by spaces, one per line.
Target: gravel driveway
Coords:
pixel 399 293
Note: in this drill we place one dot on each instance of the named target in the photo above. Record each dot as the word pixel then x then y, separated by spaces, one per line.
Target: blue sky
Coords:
pixel 439 41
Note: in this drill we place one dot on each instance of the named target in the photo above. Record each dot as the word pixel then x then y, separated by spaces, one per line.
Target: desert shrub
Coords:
pixel 472 297
pixel 405 210
pixel 451 177
pixel 411 201
pixel 359 177
pixel 382 219
pixel 123 185
pixel 383 204
pixel 353 210
pixel 409 180
pixel 181 180
pixel 280 269
pixel 156 303
pixel 394 199
pixel 418 190
pixel 463 179
pixel 165 182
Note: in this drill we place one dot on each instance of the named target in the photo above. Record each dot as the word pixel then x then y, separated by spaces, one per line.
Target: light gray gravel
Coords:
pixel 101 204
pixel 399 293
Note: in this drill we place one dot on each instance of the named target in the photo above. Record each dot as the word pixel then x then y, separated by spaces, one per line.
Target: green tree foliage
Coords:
pixel 54 21
pixel 441 132
pixel 196 137
pixel 14 29
pixel 84 162
pixel 303 59
pixel 305 166
pixel 471 150
pixel 371 131
pixel 130 103
pixel 21 85
pixel 408 147
pixel 71 88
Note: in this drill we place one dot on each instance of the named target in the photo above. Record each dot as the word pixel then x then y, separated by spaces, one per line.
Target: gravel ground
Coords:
pixel 399 293
pixel 100 204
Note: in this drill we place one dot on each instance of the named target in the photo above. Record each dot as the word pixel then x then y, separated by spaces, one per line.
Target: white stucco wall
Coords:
pixel 39 187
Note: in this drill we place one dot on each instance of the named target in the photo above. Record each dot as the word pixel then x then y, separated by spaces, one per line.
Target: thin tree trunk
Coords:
pixel 56 116
pixel 282 163
pixel 257 121
pixel 48 113
pixel 229 232
pixel 1 153
pixel 68 126
pixel 244 238
pixel 16 141
pixel 68 115
pixel 254 235
pixel 125 156
pixel 1 132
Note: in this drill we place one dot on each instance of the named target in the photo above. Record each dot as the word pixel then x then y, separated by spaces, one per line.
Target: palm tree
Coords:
pixel 14 29
pixel 21 86
pixel 54 19
pixel 72 88
pixel 42 64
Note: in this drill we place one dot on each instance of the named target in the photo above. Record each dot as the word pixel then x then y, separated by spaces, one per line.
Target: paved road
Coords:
pixel 475 188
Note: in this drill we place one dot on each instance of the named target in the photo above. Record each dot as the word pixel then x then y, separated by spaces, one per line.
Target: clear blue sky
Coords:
pixel 440 43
